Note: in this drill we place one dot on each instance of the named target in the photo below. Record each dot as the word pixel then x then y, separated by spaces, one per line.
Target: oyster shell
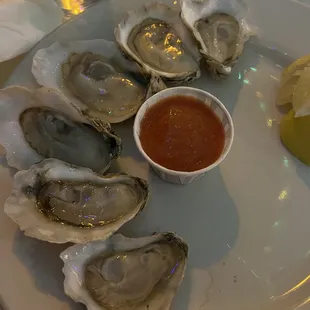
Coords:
pixel 220 30
pixel 126 273
pixel 155 37
pixel 95 77
pixel 56 202
pixel 36 124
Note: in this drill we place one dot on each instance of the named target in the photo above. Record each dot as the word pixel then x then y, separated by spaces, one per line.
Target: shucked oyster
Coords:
pixel 39 124
pixel 57 202
pixel 219 30
pixel 95 77
pixel 126 273
pixel 155 37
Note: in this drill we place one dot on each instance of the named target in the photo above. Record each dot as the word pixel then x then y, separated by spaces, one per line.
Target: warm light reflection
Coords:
pixel 296 287
pixel 74 6
pixel 174 51
pixel 269 122
pixel 307 301
pixel 128 82
pixel 259 95
pixel 283 194
pixel 148 34
pixel 171 43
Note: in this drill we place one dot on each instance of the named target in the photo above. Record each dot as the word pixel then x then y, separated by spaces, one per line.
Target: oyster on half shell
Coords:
pixel 219 29
pixel 57 202
pixel 38 124
pixel 95 77
pixel 126 273
pixel 155 37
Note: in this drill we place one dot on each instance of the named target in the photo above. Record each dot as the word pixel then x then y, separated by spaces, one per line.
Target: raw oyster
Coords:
pixel 37 124
pixel 57 202
pixel 155 37
pixel 219 29
pixel 95 77
pixel 126 273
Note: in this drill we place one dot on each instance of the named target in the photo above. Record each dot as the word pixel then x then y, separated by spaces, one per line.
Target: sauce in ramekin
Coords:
pixel 182 133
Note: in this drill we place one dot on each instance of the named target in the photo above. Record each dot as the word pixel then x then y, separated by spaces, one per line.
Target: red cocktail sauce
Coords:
pixel 181 133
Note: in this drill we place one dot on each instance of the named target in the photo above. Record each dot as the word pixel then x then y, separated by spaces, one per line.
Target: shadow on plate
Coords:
pixel 125 131
pixel 228 89
pixel 43 262
pixel 202 213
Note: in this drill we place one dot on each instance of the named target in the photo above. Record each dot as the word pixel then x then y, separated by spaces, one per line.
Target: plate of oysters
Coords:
pixel 155 156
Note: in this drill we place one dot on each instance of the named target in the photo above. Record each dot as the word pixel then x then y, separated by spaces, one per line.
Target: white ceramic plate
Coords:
pixel 247 222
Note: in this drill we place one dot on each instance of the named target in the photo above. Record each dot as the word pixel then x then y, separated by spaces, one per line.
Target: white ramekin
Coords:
pixel 180 177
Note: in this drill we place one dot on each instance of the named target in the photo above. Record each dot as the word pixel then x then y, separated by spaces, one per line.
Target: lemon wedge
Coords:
pixel 294 132
pixel 301 95
pixel 290 78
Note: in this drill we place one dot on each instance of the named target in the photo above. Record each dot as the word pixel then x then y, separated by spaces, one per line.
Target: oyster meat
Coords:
pixel 41 124
pixel 155 37
pixel 126 273
pixel 96 78
pixel 57 202
pixel 219 29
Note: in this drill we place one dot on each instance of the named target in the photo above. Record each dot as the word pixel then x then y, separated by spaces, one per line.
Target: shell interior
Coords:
pixel 37 124
pixel 126 279
pixel 85 204
pixel 54 135
pixel 158 45
pixel 57 202
pixel 155 37
pixel 95 77
pixel 102 86
pixel 219 32
pixel 126 273
pixel 220 29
